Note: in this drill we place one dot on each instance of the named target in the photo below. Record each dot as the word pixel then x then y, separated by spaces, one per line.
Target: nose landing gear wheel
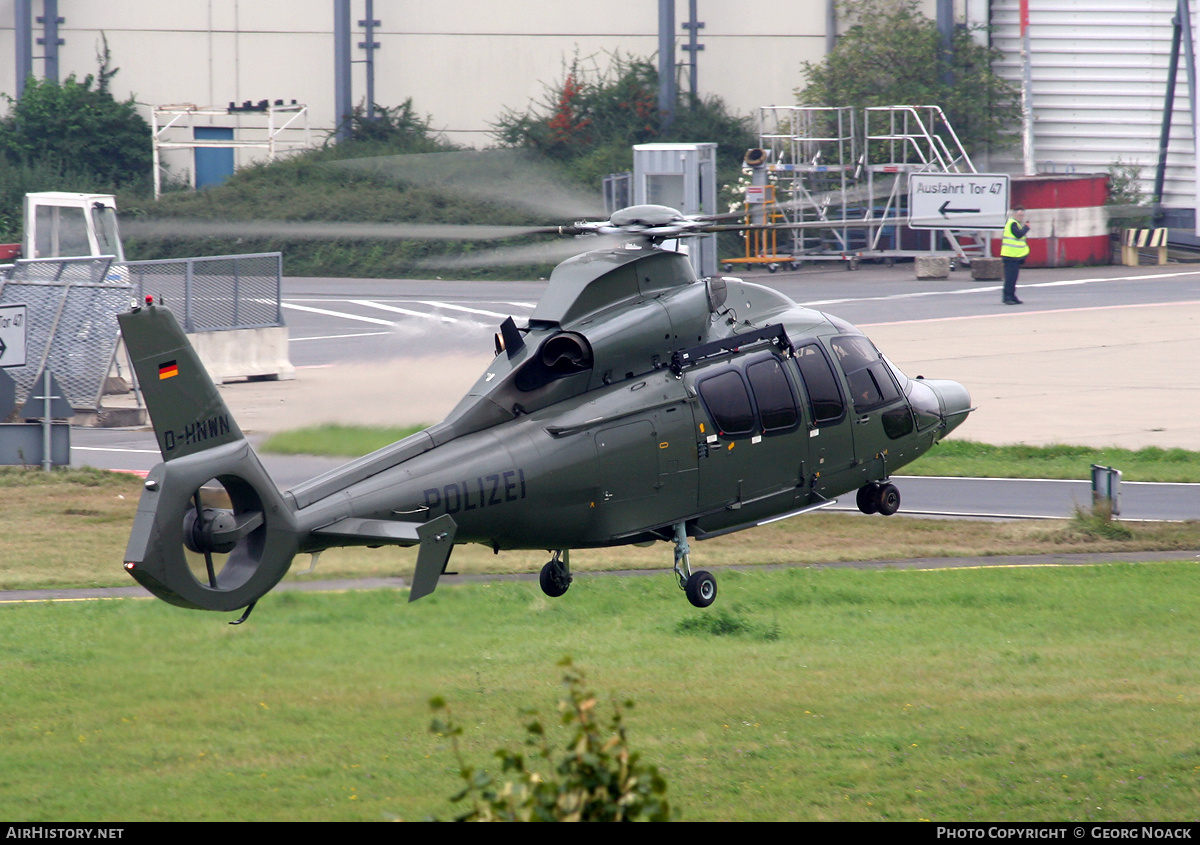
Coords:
pixel 701 588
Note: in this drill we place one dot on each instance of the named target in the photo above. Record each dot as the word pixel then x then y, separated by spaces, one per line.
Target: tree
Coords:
pixel 591 119
pixel 890 56
pixel 80 128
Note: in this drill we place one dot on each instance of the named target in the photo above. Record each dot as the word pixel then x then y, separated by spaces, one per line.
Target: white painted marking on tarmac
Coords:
pixel 994 288
pixel 988 478
pixel 329 313
pixel 60 599
pixel 958 514
pixel 366 303
pixel 113 449
pixel 913 295
pixel 1023 313
pixel 339 336
pixel 451 306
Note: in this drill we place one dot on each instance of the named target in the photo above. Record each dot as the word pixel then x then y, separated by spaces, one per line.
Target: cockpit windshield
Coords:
pixel 921 397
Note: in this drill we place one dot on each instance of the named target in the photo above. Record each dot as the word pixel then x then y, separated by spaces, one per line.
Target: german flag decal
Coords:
pixel 167 369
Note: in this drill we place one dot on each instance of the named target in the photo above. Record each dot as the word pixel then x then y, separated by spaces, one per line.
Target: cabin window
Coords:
pixel 773 394
pixel 821 385
pixel 727 400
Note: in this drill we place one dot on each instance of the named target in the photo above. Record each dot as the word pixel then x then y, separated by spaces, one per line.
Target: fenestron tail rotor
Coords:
pixel 193 538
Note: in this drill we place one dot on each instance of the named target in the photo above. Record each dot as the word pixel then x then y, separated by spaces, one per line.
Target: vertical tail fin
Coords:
pixel 188 413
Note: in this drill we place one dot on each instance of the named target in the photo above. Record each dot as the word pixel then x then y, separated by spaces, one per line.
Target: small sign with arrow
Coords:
pixel 958 200
pixel 12 335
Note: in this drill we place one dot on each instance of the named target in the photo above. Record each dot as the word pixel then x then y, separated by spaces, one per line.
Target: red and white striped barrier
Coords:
pixel 1068 223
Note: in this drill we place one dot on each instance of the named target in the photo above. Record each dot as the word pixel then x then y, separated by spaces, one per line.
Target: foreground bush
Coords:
pixel 595 777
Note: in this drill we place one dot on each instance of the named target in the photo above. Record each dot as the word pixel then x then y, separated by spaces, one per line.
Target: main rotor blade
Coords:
pixel 509 177
pixel 546 252
pixel 161 229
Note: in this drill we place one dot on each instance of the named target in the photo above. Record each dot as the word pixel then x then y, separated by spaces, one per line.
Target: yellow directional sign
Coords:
pixel 957 200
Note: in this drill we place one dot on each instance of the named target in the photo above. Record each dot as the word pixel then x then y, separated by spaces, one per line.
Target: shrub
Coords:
pixel 79 127
pixel 1127 207
pixel 594 778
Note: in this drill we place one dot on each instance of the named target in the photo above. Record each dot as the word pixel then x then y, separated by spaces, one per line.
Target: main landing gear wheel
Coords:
pixel 701 588
pixel 878 498
pixel 868 498
pixel 555 577
pixel 889 499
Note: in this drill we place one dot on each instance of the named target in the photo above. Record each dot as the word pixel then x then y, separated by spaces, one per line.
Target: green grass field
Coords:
pixel 350 441
pixel 1000 694
pixel 990 694
pixel 970 458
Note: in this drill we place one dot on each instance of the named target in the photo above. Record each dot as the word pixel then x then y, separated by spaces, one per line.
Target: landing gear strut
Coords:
pixel 878 498
pixel 700 587
pixel 556 574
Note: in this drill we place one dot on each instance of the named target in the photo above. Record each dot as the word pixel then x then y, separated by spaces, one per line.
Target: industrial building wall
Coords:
pixel 462 61
pixel 1099 66
pixel 1099 75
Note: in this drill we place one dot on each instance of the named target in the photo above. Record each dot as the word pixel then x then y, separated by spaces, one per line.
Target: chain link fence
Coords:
pixel 215 294
pixel 71 307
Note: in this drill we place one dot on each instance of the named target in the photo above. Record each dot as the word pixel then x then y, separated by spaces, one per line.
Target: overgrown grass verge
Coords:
pixel 331 439
pixel 966 695
pixel 65 527
pixel 968 458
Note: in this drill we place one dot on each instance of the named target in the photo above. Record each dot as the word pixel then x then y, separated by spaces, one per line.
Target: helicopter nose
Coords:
pixel 955 401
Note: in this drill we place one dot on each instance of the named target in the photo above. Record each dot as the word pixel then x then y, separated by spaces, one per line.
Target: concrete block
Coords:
pixel 244 353
pixel 987 269
pixel 932 266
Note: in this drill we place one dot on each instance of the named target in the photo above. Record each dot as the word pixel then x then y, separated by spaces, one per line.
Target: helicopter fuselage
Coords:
pixel 624 462
pixel 637 404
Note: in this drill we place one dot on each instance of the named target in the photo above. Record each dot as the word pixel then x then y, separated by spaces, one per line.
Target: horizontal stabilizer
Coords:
pixel 436 539
pixel 355 531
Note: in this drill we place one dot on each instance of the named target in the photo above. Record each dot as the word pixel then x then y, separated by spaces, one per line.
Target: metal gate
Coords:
pixel 71 323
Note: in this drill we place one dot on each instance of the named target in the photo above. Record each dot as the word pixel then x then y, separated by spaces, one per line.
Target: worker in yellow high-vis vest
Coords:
pixel 1013 250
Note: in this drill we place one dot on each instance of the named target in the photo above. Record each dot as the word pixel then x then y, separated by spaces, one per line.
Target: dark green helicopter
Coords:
pixel 638 403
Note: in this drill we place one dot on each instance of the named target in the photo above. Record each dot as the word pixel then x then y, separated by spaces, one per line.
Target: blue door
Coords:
pixel 213 164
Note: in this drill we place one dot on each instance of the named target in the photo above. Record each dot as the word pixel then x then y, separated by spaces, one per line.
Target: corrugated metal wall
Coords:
pixel 1099 76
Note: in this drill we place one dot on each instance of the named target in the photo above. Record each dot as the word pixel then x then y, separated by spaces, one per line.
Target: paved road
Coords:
pixel 1036 499
pixel 344 319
